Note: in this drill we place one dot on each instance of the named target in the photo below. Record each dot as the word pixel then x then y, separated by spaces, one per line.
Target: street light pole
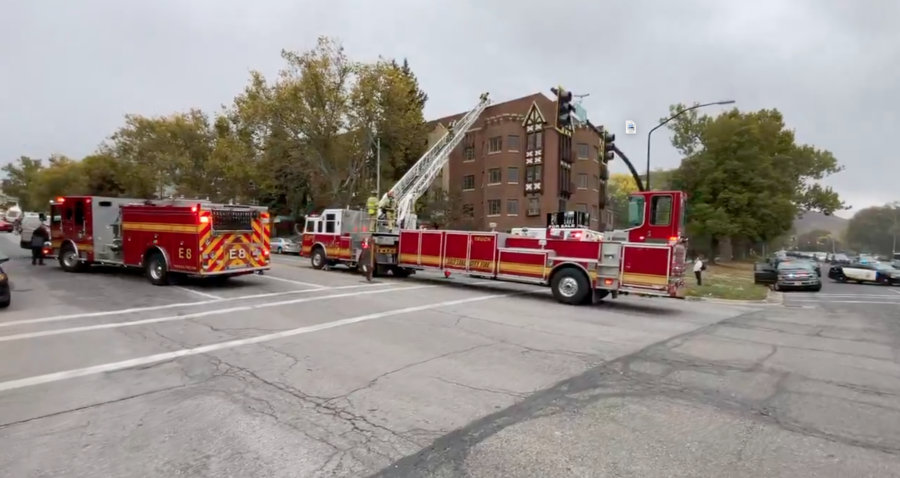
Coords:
pixel 377 167
pixel 666 121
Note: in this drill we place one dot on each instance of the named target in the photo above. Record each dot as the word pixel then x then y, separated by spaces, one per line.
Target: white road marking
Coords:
pixel 197 292
pixel 304 284
pixel 196 315
pixel 819 294
pixel 89 315
pixel 894 302
pixel 894 291
pixel 112 367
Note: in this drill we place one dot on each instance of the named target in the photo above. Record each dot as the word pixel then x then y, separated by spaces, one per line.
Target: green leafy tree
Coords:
pixel 875 229
pixel 317 124
pixel 21 182
pixel 746 177
pixel 103 175
pixel 62 176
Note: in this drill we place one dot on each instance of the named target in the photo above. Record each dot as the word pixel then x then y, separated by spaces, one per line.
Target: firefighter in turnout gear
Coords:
pixel 372 210
pixel 387 212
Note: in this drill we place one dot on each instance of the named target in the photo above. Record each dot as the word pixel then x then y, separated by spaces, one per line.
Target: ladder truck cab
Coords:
pixel 167 237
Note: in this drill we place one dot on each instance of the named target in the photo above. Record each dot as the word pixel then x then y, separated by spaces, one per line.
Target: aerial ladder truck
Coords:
pixel 340 236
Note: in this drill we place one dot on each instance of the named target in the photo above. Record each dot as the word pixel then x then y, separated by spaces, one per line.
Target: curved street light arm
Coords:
pixel 670 118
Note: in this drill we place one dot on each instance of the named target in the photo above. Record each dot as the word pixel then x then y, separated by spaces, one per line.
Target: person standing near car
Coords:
pixel 698 270
pixel 38 238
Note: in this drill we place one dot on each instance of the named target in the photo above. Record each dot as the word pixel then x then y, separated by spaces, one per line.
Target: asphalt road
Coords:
pixel 303 373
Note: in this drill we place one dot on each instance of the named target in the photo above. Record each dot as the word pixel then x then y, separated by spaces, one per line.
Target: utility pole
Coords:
pixel 378 167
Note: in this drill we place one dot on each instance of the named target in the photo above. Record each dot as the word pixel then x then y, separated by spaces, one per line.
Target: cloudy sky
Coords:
pixel 69 70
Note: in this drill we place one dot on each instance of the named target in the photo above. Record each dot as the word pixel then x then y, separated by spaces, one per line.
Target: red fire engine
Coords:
pixel 580 265
pixel 163 237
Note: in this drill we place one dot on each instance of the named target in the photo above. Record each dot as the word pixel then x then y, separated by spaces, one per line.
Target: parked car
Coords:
pixel 879 272
pixel 283 245
pixel 815 265
pixel 788 275
pixel 5 289
pixel 6 226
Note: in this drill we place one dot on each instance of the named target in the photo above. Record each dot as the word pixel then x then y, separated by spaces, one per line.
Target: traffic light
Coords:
pixel 609 146
pixel 564 110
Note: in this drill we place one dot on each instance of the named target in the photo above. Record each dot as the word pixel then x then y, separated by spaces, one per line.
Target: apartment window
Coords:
pixel 495 144
pixel 533 173
pixel 494 207
pixel 512 207
pixel 512 142
pixel 596 155
pixel 534 206
pixel 582 181
pixel 596 182
pixel 534 141
pixel 595 212
pixel 494 176
pixel 561 205
pixel 565 179
pixel 512 175
pixel 581 207
pixel 468 182
pixel 583 150
pixel 469 147
pixel 468 210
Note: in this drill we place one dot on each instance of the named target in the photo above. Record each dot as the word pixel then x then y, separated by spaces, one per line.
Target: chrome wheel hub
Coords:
pixel 156 270
pixel 70 259
pixel 568 287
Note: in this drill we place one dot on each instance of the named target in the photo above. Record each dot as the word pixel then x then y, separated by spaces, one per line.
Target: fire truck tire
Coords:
pixel 318 259
pixel 157 271
pixel 4 304
pixel 68 260
pixel 401 272
pixel 570 285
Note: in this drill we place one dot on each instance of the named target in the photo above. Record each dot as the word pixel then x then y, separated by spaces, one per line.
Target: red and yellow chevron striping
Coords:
pixel 229 250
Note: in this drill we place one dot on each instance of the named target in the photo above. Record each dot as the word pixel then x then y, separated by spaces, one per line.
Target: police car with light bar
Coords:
pixel 877 272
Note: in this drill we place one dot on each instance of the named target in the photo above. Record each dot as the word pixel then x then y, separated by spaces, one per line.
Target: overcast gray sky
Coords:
pixel 69 70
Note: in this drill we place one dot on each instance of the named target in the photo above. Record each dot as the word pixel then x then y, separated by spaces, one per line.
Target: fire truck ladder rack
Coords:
pixel 419 178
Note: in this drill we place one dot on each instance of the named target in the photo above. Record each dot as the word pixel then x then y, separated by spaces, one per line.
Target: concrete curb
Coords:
pixel 772 298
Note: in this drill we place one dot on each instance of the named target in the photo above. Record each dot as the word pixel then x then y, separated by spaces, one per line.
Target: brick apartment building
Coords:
pixel 511 169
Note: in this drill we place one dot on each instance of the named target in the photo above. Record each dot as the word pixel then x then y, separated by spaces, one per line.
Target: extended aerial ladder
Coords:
pixel 422 174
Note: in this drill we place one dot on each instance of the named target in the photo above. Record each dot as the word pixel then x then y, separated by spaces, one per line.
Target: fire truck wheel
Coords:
pixel 318 259
pixel 157 271
pixel 570 286
pixel 68 260
pixel 6 303
pixel 401 272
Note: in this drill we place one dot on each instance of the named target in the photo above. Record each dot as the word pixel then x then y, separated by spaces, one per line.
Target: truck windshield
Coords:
pixel 635 211
pixel 683 214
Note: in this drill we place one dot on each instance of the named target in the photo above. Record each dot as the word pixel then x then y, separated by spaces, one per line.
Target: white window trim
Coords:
pixel 494 215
